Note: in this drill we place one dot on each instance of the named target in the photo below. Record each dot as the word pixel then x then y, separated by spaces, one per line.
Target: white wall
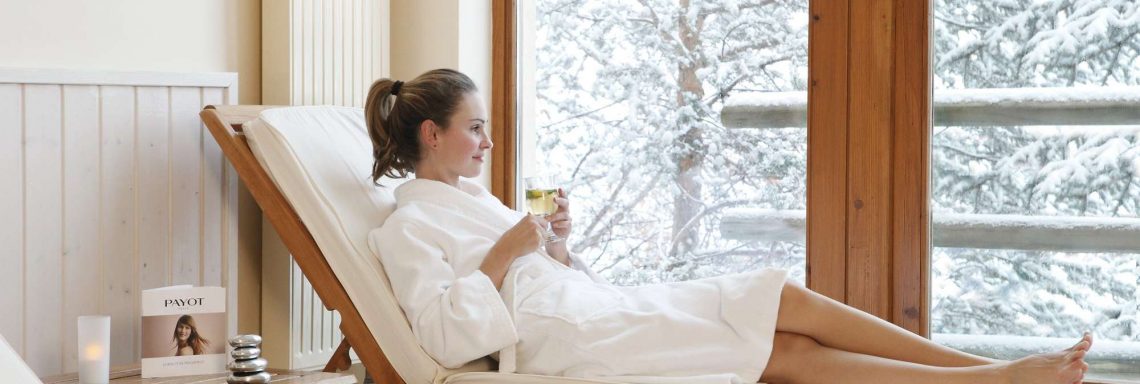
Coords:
pixel 145 35
pixel 110 187
pixel 429 34
pixel 136 35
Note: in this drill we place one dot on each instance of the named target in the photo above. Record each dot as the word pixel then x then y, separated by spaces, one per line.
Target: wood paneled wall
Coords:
pixel 109 186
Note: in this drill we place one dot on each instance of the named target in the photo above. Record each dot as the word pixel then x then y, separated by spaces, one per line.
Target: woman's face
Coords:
pixel 183 332
pixel 464 144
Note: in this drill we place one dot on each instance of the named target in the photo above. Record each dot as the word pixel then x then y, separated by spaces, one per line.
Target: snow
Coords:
pixel 1010 347
pixel 1084 96
pixel 1040 222
pixel 1069 184
pixel 1108 96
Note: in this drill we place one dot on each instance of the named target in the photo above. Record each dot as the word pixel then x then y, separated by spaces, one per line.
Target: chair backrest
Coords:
pixel 321 158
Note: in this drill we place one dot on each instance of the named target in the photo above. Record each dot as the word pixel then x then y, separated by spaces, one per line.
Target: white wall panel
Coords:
pixel 117 219
pixel 43 181
pixel 12 213
pixel 213 186
pixel 153 203
pixel 109 188
pixel 186 195
pixel 82 260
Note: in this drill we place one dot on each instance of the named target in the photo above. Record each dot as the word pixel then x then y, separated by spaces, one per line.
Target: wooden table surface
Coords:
pixel 131 375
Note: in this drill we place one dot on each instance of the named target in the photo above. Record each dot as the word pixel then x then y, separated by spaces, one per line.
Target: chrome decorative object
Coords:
pixel 248 367
pixel 254 365
pixel 246 353
pixel 257 378
pixel 240 341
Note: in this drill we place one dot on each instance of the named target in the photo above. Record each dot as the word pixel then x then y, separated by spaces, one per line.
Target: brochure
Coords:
pixel 183 331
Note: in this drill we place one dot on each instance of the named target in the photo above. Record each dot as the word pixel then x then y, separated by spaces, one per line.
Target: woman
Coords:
pixel 187 341
pixel 475 279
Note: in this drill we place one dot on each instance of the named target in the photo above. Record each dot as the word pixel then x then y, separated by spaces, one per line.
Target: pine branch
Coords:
pixel 581 115
pixel 948 20
pixel 966 153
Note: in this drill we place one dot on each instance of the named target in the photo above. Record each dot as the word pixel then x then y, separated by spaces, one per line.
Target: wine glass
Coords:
pixel 540 193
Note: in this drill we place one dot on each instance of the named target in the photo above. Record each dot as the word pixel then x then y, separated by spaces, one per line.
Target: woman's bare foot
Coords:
pixel 1062 367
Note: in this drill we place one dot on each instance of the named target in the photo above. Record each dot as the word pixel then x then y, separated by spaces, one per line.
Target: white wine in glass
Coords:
pixel 540 202
pixel 540 193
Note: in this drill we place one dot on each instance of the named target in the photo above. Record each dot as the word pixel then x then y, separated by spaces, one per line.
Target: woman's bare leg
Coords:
pixel 800 359
pixel 842 327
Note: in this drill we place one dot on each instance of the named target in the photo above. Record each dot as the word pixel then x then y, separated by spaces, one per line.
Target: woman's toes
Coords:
pixel 1085 343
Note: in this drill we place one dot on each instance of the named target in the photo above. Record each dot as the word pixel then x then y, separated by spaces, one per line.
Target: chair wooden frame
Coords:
pixel 225 125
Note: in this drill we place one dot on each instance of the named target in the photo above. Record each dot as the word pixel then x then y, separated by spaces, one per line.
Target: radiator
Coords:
pixel 314 52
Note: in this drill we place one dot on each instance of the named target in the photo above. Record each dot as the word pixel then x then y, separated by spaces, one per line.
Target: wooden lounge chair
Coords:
pixel 373 324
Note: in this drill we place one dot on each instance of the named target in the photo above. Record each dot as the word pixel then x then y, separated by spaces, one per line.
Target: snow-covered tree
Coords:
pixel 629 100
pixel 1035 43
pixel 1069 171
pixel 629 95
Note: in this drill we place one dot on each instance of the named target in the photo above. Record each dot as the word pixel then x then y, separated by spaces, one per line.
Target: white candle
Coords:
pixel 94 347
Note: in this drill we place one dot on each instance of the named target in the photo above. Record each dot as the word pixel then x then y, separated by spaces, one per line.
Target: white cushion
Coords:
pixel 320 158
pixel 12 368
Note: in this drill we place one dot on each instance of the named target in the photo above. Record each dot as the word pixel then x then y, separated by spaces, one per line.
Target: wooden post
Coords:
pixel 868 156
pixel 504 164
pixel 827 149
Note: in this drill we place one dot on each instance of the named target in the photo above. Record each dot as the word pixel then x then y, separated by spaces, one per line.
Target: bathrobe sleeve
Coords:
pixel 457 319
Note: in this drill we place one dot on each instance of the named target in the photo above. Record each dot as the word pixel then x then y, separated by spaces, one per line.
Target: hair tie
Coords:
pixel 396 87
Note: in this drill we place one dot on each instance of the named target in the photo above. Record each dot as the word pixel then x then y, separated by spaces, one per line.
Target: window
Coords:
pixel 1036 178
pixel 621 102
pixel 1033 157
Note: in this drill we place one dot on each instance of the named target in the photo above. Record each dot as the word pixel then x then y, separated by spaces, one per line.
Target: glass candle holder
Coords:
pixel 94 349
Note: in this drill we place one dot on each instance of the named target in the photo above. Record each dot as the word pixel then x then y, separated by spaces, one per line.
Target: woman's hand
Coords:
pixel 522 239
pixel 560 224
pixel 525 237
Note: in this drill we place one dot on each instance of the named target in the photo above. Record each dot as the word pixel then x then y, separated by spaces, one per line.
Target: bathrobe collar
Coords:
pixel 469 198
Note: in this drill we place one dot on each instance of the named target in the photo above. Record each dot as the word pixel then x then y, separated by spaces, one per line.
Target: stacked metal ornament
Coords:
pixel 248 366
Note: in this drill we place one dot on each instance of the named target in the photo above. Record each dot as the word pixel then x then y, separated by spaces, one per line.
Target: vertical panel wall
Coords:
pixel 110 186
pixel 314 52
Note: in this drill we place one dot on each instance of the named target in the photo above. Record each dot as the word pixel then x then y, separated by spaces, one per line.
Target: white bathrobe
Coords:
pixel 552 319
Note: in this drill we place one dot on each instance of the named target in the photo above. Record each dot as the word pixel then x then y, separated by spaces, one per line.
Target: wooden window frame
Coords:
pixel 868 150
pixel 869 122
pixel 504 90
